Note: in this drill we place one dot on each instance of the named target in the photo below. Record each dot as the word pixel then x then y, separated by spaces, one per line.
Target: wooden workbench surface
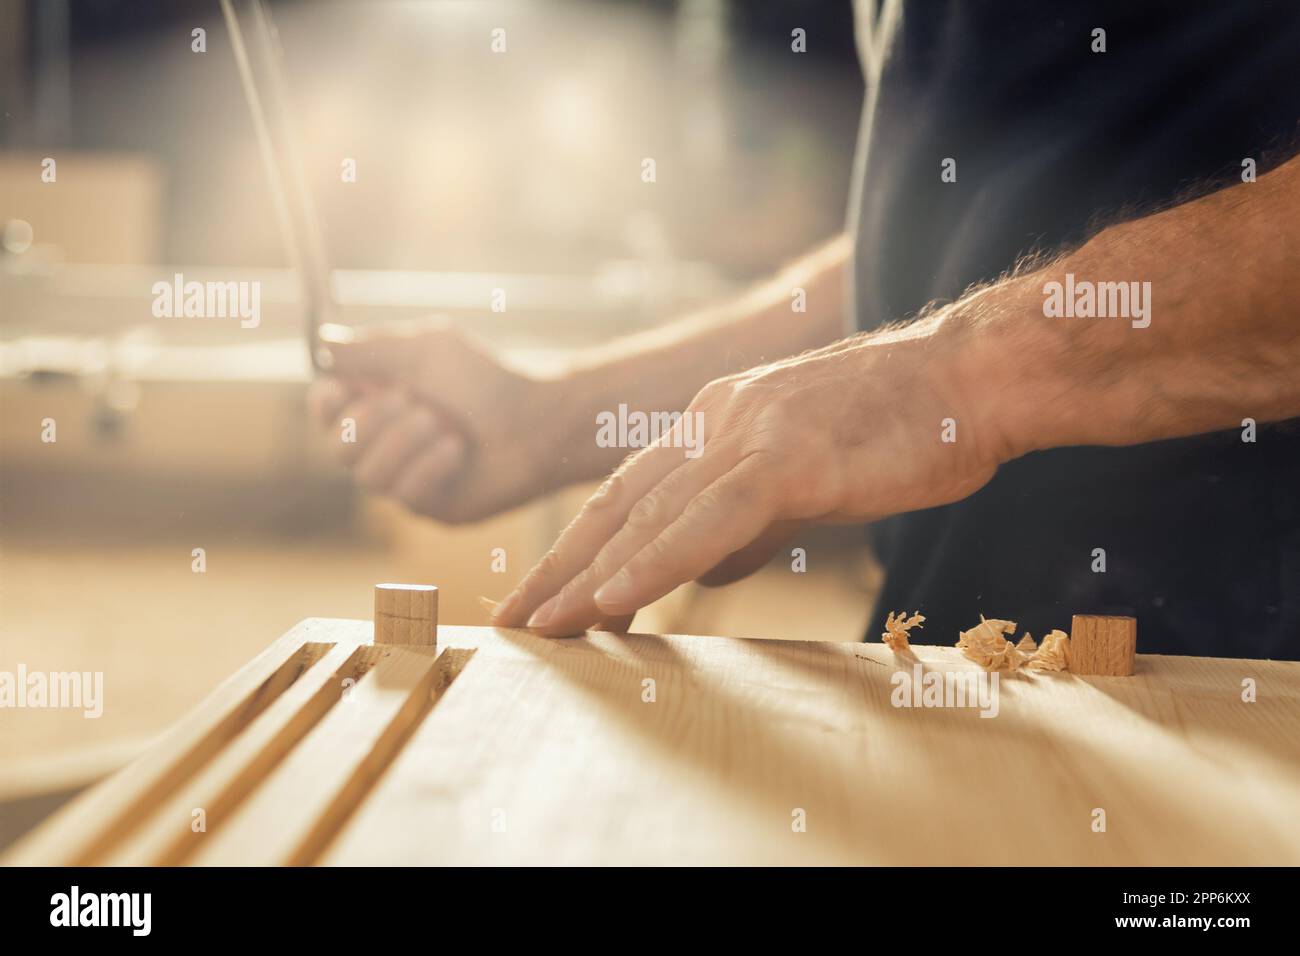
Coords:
pixel 509 748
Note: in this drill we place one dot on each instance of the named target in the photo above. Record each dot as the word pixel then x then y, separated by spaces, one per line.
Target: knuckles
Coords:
pixel 645 514
pixel 705 506
pixel 610 491
pixel 548 566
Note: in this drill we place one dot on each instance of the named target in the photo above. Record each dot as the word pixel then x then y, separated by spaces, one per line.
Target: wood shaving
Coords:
pixel 896 627
pixel 1054 655
pixel 987 646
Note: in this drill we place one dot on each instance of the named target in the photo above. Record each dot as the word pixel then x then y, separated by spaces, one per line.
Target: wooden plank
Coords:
pixel 84 830
pixel 68 769
pixel 546 752
pixel 623 749
pixel 295 811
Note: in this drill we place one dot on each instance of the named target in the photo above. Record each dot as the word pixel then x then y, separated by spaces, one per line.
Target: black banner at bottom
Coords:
pixel 337 906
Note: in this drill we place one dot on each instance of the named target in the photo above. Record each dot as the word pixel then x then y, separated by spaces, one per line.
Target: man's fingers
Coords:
pixel 368 416
pixel 747 560
pixel 721 519
pixel 574 608
pixel 327 397
pixel 382 353
pixel 401 439
pixel 421 480
pixel 615 625
pixel 601 516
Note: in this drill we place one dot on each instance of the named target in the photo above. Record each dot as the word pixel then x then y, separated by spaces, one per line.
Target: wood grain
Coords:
pixel 1103 645
pixel 641 749
pixel 406 614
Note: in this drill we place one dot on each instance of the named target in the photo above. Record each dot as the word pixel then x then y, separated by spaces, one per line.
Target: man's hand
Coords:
pixel 440 424
pixel 848 433
pixel 447 429
pixel 852 432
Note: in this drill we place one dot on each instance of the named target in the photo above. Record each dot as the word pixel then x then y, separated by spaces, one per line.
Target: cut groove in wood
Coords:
pixel 218 788
pixel 108 813
pixel 449 664
pixel 299 807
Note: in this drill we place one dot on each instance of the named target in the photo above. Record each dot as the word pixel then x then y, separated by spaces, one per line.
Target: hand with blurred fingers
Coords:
pixel 848 433
pixel 439 423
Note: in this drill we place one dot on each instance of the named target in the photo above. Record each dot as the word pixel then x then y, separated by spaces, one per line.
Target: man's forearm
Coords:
pixel 1222 343
pixel 662 369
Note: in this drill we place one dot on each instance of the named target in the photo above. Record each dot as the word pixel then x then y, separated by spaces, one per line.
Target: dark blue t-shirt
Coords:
pixel 1052 140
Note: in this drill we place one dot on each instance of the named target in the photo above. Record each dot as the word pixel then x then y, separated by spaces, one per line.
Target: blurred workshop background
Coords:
pixel 474 171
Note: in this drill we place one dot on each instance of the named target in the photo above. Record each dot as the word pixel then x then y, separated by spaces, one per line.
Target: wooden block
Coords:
pixel 406 614
pixel 1103 645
